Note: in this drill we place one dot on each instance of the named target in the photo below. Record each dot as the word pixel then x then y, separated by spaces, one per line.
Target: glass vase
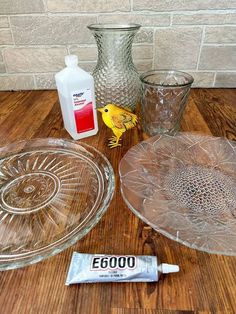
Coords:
pixel 116 78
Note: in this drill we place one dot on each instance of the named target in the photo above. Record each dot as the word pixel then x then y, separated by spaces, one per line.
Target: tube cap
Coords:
pixel 71 60
pixel 168 268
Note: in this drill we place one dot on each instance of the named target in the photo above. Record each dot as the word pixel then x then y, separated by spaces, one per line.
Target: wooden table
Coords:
pixel 205 284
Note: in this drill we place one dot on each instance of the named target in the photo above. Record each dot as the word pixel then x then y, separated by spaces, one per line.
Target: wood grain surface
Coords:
pixel 205 284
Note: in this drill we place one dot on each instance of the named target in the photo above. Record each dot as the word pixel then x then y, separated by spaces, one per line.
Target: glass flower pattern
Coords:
pixel 184 186
pixel 52 192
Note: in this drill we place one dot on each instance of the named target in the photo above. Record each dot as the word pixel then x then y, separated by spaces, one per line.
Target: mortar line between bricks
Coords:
pixel 214 79
pixel 34 79
pixel 208 25
pixel 219 45
pixel 135 12
pixel 9 23
pixel 3 56
pixel 184 70
pixel 53 73
pixel 51 46
pixel 4 28
pixel 171 19
pixel 201 45
pixel 221 26
pixel 45 6
pixel 154 49
pixel 17 74
pixel 131 5
pixel 197 11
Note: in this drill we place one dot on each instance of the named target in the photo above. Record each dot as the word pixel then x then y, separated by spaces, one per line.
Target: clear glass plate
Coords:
pixel 184 186
pixel 52 192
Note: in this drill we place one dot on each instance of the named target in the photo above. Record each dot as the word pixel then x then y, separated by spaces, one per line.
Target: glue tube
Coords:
pixel 88 268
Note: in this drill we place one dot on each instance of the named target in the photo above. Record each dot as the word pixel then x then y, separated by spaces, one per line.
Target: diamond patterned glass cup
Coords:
pixel 163 100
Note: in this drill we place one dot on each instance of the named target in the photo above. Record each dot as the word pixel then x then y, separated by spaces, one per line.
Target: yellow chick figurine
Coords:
pixel 119 120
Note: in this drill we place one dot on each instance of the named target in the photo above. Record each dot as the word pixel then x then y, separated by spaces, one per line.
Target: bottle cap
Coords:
pixel 71 60
pixel 168 268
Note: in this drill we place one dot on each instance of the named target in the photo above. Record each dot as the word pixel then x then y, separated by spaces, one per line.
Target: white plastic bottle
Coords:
pixel 76 94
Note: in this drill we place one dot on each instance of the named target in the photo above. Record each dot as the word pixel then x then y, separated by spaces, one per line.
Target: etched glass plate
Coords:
pixel 184 186
pixel 52 192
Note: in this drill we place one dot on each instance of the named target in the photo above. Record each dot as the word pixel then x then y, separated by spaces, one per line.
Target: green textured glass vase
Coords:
pixel 116 78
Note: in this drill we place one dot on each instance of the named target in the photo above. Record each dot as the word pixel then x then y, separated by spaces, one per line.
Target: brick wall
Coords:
pixel 196 36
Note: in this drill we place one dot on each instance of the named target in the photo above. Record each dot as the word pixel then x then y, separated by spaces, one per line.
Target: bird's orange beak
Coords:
pixel 99 109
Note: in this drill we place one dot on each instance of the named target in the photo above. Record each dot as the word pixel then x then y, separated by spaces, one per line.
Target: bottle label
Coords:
pixel 83 110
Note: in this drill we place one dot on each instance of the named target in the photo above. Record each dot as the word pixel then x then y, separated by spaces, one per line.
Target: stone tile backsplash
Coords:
pixel 198 37
pixel 51 30
pixel 85 6
pixel 218 58
pixel 177 48
pixel 27 60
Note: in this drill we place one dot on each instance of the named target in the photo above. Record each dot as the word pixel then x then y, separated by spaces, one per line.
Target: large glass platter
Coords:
pixel 184 186
pixel 52 192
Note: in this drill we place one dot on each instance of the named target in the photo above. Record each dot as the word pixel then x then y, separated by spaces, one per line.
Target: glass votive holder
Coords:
pixel 163 100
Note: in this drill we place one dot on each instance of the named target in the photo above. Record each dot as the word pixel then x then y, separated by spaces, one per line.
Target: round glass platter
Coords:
pixel 52 192
pixel 184 186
